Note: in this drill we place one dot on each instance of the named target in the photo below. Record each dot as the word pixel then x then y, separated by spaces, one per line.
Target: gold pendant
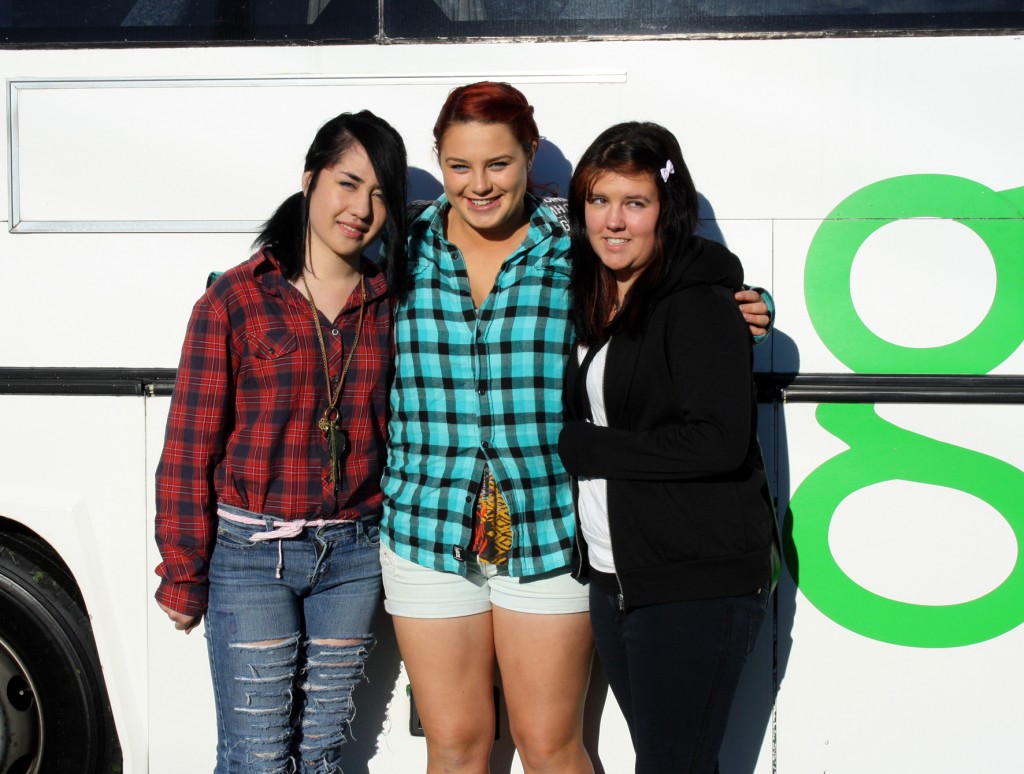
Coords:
pixel 336 442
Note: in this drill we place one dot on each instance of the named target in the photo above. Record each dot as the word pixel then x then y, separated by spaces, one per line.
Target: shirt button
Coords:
pixel 335 332
pixel 469 498
pixel 486 445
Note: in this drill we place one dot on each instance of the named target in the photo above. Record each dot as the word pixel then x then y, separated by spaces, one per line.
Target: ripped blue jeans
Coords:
pixel 286 653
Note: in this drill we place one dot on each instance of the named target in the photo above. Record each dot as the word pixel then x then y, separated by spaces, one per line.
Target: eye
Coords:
pixel 347 184
pixel 458 167
pixel 636 204
pixel 596 200
pixel 498 164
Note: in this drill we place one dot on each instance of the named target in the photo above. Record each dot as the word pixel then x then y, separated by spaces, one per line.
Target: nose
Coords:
pixel 362 206
pixel 479 182
pixel 616 221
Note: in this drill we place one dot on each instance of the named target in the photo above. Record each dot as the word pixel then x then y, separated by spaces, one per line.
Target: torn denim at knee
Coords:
pixel 268 682
pixel 332 673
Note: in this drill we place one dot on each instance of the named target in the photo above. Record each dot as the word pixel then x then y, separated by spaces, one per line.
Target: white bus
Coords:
pixel 863 157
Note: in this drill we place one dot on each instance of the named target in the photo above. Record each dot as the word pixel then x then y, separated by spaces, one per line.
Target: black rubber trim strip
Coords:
pixel 86 381
pixel 889 388
pixel 777 388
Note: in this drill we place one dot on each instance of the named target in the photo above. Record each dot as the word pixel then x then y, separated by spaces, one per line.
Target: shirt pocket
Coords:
pixel 272 360
pixel 272 343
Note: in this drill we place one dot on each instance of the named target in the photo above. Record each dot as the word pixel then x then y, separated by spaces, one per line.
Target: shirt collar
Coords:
pixel 428 227
pixel 266 272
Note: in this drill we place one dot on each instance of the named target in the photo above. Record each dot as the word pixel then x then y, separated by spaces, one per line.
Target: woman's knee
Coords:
pixel 459 752
pixel 333 669
pixel 549 746
pixel 255 697
pixel 460 741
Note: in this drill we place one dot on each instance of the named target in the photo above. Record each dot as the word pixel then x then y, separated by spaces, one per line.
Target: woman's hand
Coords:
pixel 182 621
pixel 755 311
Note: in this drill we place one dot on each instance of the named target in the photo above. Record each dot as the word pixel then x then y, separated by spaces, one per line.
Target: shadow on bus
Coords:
pixel 750 737
pixel 372 697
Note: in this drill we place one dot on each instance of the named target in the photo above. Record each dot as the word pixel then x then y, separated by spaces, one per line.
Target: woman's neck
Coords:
pixel 483 252
pixel 330 281
pixel 333 268
pixel 470 240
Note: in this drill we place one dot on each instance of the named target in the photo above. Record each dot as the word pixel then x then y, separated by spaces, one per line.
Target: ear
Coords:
pixel 306 177
pixel 532 155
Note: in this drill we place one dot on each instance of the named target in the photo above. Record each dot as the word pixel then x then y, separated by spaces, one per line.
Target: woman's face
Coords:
pixel 346 208
pixel 622 217
pixel 484 169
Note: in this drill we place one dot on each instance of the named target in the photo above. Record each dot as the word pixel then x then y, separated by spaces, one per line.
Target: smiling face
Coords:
pixel 484 169
pixel 346 207
pixel 622 217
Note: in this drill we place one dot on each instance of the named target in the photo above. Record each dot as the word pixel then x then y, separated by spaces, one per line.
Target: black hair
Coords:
pixel 633 148
pixel 286 233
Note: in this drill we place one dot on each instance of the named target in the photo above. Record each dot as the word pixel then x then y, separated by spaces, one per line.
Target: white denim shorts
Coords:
pixel 413 591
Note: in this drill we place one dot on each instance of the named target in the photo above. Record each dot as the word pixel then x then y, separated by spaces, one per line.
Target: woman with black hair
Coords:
pixel 676 521
pixel 268 490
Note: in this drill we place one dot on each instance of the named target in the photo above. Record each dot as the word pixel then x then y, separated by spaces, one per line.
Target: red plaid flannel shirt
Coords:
pixel 242 428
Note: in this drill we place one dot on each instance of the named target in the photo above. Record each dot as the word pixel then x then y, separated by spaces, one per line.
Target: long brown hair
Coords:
pixel 632 149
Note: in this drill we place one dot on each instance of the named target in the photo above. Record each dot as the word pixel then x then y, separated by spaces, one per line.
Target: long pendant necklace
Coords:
pixel 329 423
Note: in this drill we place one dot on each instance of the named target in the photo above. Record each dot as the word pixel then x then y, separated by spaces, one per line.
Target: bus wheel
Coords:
pixel 54 716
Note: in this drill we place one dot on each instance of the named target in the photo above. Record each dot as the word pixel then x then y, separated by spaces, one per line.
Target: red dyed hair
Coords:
pixel 489 102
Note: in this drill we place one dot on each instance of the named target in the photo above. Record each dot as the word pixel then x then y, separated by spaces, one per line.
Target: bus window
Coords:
pixel 473 18
pixel 127 22
pixel 133 22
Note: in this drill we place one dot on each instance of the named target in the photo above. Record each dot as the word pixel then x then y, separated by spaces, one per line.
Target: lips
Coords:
pixel 352 230
pixel 615 243
pixel 483 204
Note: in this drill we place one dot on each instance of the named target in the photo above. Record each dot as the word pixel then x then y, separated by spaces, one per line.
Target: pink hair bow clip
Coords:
pixel 667 170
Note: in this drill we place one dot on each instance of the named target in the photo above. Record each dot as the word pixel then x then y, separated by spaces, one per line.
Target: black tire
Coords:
pixel 54 714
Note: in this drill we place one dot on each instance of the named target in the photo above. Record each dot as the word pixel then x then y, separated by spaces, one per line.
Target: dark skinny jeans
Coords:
pixel 673 669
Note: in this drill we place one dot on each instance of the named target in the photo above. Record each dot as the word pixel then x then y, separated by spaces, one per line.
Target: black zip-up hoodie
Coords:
pixel 689 508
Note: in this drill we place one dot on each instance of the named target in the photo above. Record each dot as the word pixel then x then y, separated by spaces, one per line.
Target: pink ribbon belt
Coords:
pixel 282 530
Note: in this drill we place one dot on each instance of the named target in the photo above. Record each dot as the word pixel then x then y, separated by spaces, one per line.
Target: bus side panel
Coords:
pixel 778 134
pixel 74 473
pixel 773 130
pixel 899 650
pixel 180 709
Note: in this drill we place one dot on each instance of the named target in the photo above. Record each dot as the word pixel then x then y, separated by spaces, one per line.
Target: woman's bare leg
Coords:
pixel 450 662
pixel 545 670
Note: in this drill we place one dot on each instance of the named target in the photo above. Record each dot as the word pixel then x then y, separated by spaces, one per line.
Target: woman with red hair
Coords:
pixel 478 538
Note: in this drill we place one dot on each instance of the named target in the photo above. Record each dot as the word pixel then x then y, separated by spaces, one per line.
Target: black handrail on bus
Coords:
pixel 771 387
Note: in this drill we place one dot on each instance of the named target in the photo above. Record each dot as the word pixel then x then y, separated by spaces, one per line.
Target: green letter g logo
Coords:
pixel 992 216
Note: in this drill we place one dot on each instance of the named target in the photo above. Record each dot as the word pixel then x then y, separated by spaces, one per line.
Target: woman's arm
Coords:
pixel 709 362
pixel 194 444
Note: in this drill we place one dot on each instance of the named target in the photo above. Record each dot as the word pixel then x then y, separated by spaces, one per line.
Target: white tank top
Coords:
pixel 593 498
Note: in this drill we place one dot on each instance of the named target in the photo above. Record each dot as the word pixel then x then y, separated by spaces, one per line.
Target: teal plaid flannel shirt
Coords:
pixel 476 387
